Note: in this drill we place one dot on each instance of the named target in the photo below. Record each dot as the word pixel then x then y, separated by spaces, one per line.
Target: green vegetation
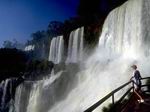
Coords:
pixel 12 44
pixel 12 62
pixel 108 108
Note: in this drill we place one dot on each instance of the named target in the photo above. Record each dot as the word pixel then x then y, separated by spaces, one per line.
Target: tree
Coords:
pixel 88 8
pixel 13 44
pixel 41 42
pixel 38 36
pixel 12 62
pixel 55 28
pixel 92 11
pixel 7 44
pixel 89 11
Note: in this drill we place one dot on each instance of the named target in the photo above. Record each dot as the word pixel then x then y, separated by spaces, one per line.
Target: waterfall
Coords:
pixel 39 96
pixel 29 48
pixel 56 50
pixel 5 94
pixel 124 41
pixel 126 32
pixel 122 31
pixel 75 47
pixel 22 97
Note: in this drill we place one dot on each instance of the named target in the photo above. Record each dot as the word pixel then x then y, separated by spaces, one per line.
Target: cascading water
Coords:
pixel 22 99
pixel 75 48
pixel 122 32
pixel 124 41
pixel 40 96
pixel 56 53
pixel 5 94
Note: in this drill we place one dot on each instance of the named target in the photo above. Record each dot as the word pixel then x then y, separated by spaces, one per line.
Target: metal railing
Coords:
pixel 111 94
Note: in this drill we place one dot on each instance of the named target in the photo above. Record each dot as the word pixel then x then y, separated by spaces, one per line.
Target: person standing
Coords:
pixel 137 82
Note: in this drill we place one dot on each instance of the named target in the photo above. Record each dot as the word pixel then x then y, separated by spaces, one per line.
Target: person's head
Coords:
pixel 134 67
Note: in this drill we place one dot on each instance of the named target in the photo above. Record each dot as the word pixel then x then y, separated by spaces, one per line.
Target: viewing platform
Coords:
pixel 134 106
pixel 129 101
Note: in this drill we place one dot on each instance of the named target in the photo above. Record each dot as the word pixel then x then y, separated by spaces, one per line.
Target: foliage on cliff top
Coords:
pixel 12 62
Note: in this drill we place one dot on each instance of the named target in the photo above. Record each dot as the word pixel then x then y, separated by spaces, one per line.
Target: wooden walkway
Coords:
pixel 134 106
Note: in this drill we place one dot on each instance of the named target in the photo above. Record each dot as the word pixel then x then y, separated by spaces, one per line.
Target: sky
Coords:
pixel 20 18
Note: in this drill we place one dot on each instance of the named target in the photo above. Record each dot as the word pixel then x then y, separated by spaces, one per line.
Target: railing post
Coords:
pixel 133 85
pixel 113 103
pixel 113 100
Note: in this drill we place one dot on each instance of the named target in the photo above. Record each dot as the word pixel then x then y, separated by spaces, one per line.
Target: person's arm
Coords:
pixel 131 78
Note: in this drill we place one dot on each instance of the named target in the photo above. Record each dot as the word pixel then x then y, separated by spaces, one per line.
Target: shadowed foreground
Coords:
pixel 134 106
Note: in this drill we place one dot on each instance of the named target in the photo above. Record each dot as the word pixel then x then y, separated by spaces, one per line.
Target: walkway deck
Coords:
pixel 134 106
